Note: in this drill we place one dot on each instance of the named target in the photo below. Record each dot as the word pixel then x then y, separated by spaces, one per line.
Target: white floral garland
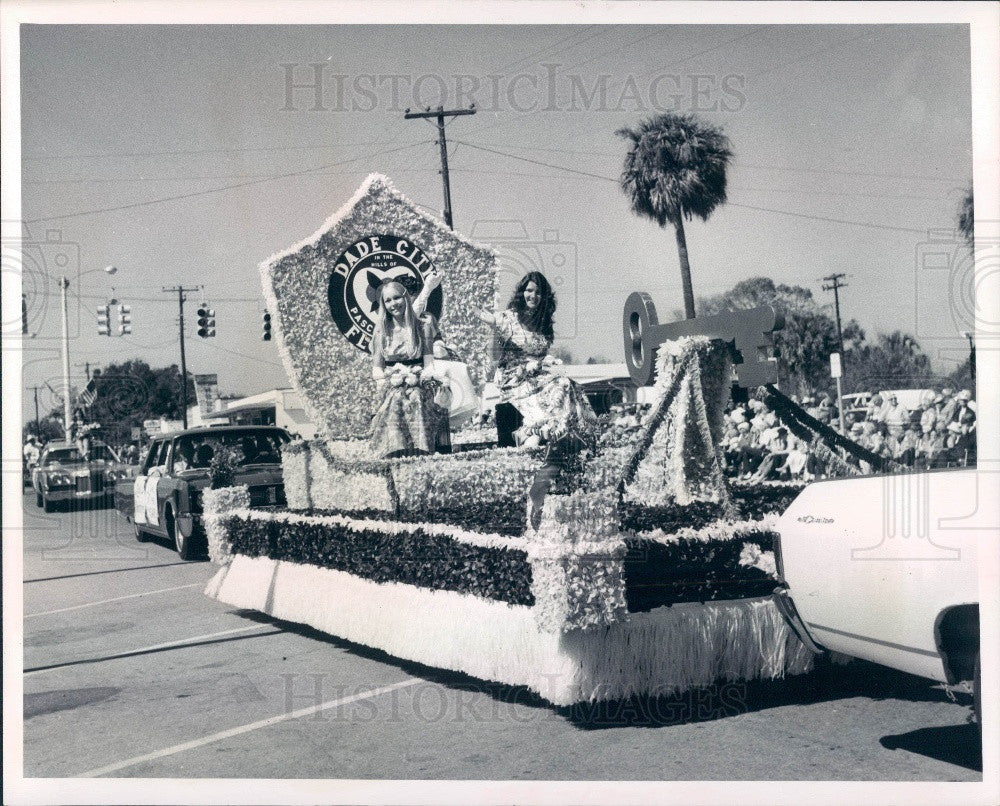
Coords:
pixel 217 505
pixel 723 530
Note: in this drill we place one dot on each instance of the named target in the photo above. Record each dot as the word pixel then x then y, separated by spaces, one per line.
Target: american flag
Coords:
pixel 88 395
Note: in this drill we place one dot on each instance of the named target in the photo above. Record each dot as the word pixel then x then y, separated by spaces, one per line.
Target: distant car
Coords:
pixel 164 498
pixel 885 568
pixel 63 476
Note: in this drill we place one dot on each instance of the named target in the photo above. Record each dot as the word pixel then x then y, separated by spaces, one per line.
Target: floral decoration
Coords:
pixel 425 555
pixel 218 504
pixel 334 377
pixel 676 458
pixel 723 560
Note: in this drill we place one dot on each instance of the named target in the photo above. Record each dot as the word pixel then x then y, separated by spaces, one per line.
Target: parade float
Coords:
pixel 646 573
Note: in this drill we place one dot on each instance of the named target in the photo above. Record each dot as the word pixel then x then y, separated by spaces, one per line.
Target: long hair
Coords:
pixel 385 326
pixel 540 319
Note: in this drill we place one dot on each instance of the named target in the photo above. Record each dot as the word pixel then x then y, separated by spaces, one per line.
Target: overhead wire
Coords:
pixel 209 191
pixel 729 203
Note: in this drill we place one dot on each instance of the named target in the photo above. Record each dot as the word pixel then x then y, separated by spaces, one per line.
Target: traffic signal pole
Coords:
pixel 184 387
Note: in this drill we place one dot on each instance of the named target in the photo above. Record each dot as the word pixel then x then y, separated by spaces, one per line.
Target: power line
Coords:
pixel 701 52
pixel 731 204
pixel 196 194
pixel 118 154
pixel 255 358
pixel 509 65
pixel 741 164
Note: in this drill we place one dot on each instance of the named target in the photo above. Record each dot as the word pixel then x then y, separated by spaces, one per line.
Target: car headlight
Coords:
pixel 113 474
pixel 60 480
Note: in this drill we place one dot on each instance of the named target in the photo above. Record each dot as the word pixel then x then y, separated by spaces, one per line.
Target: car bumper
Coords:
pixel 791 616
pixel 70 494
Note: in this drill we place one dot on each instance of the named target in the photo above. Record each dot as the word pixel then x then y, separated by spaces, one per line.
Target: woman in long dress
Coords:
pixel 408 420
pixel 553 408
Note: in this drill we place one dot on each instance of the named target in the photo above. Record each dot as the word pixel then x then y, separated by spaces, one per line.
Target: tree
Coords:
pixel 807 339
pixel 562 353
pixel 675 170
pixel 131 392
pixel 894 361
pixel 966 216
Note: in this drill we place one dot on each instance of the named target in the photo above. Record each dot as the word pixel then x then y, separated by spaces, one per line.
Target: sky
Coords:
pixel 180 155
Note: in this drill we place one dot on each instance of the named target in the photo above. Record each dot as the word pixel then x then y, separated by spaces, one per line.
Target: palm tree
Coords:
pixel 676 169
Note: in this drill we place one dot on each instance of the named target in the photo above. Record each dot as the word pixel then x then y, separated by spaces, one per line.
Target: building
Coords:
pixel 280 407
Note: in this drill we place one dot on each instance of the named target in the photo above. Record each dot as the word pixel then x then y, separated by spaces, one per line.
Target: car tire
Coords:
pixel 140 535
pixel 184 545
pixel 977 695
pixel 38 500
pixel 48 506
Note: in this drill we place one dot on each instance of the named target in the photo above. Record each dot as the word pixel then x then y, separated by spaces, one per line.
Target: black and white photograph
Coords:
pixel 501 402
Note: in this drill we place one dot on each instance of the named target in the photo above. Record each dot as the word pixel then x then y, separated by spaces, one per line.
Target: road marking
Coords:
pixel 108 571
pixel 154 648
pixel 116 599
pixel 226 734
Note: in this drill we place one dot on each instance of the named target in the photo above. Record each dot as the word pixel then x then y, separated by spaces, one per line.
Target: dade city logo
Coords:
pixel 359 274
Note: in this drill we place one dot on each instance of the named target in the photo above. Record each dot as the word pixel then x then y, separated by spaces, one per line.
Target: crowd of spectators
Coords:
pixel 939 432
pixel 756 446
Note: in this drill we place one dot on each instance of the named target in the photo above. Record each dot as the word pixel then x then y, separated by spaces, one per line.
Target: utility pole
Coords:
pixel 38 424
pixel 440 114
pixel 67 405
pixel 184 387
pixel 835 286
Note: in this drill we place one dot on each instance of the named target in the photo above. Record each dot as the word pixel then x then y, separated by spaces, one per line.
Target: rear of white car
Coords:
pixel 885 568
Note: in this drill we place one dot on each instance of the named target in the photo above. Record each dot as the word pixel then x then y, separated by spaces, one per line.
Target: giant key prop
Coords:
pixel 749 331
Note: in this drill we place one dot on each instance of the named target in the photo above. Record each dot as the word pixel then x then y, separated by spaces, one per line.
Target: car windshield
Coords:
pixel 195 452
pixel 69 456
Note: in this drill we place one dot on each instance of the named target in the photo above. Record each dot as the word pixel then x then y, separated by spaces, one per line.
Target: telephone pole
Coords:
pixel 440 114
pixel 38 425
pixel 835 286
pixel 184 386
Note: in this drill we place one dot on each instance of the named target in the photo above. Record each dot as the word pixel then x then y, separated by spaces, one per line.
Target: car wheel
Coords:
pixel 977 695
pixel 38 500
pixel 140 535
pixel 48 506
pixel 185 546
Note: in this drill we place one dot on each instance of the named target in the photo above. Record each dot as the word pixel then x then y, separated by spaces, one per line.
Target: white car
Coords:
pixel 885 568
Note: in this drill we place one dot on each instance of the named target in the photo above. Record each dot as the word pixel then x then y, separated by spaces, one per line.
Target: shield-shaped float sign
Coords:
pixel 322 294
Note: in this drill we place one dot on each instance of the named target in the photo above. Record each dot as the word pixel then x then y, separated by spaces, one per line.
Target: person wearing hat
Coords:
pixel 930 414
pixel 905 449
pixel 895 416
pixel 873 411
pixel 950 404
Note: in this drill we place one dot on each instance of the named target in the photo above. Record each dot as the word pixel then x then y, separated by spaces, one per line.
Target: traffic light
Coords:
pixel 103 320
pixel 267 326
pixel 24 315
pixel 206 321
pixel 124 320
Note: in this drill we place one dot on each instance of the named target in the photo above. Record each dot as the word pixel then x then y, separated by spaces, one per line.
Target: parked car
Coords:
pixel 164 498
pixel 63 476
pixel 885 568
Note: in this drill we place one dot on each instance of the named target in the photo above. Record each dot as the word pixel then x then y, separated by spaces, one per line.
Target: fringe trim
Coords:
pixel 664 651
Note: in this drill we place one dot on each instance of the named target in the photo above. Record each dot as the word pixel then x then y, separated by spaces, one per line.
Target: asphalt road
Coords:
pixel 131 672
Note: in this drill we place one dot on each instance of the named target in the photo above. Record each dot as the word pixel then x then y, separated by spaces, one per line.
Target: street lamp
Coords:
pixel 64 286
